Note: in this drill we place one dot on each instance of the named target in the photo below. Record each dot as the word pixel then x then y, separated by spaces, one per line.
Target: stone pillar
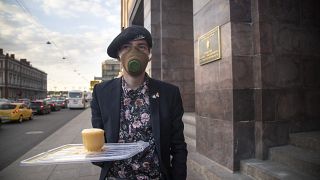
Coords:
pixel 171 24
pixel 224 88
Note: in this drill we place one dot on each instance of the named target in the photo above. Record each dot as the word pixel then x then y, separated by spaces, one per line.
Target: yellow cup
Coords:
pixel 93 139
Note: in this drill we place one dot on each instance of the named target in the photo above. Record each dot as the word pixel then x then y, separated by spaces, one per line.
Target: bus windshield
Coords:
pixel 75 95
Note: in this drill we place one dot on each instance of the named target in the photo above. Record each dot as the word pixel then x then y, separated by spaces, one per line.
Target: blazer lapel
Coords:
pixel 114 109
pixel 154 98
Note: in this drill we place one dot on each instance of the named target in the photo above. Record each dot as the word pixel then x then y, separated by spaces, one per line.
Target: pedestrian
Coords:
pixel 137 107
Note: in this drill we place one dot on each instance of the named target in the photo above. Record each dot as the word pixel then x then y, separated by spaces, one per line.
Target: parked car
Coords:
pixel 53 105
pixel 40 107
pixel 15 112
pixel 62 103
pixel 25 101
pixel 4 101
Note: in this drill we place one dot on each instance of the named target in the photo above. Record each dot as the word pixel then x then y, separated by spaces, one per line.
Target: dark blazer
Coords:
pixel 166 117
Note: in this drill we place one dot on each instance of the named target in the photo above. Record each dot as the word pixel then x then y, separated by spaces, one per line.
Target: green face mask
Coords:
pixel 134 61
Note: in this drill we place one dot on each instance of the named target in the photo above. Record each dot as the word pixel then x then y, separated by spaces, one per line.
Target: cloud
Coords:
pixel 72 8
pixel 85 49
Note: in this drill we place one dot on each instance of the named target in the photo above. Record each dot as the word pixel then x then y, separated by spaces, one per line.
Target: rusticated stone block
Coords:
pixel 286 11
pixel 268 71
pixel 169 47
pixel 178 31
pixel 225 80
pixel 242 68
pixel 225 33
pixel 268 107
pixel 256 71
pixel 218 12
pixel 312 104
pixel 244 141
pixel 243 105
pixel 288 71
pixel 265 35
pixel 242 40
pixel 287 39
pixel 215 140
pixel 289 105
pixel 275 133
pixel 215 104
pixel 207 77
pixel 240 11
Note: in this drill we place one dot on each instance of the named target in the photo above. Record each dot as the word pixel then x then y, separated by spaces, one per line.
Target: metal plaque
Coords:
pixel 209 46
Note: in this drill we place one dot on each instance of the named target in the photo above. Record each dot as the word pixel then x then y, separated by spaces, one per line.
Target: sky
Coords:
pixel 79 31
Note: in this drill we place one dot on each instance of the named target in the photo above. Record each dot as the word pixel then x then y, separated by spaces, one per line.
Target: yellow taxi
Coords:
pixel 15 112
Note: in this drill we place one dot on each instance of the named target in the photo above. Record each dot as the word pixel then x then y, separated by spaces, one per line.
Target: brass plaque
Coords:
pixel 209 46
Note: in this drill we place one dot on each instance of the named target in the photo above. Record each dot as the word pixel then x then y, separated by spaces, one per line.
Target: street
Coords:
pixel 17 139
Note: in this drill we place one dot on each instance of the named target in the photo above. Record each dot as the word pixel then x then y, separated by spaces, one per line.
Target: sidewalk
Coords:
pixel 68 134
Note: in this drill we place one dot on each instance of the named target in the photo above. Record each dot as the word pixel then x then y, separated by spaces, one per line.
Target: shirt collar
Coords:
pixel 127 90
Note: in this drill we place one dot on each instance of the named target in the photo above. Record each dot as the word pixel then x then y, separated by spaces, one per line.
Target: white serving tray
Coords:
pixel 75 153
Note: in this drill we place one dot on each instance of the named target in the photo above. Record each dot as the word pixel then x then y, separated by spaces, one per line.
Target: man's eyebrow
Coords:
pixel 142 43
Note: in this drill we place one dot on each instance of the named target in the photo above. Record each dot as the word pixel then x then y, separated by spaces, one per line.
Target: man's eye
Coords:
pixel 142 47
pixel 126 46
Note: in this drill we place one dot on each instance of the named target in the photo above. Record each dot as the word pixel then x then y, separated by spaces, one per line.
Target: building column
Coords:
pixel 171 26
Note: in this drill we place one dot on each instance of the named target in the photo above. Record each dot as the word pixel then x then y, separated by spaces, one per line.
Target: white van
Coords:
pixel 77 99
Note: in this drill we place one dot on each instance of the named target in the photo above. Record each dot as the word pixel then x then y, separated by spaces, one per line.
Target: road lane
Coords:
pixel 16 139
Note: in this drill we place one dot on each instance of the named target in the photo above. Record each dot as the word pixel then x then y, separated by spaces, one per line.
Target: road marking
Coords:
pixel 34 132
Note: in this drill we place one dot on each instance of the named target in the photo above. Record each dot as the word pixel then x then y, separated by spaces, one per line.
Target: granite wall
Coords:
pixel 286 72
pixel 171 25
pixel 266 84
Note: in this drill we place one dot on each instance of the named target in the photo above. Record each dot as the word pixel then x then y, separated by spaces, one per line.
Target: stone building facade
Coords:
pixel 18 79
pixel 266 84
pixel 110 69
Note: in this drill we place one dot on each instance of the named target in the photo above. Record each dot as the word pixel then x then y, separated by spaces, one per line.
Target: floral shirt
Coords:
pixel 135 125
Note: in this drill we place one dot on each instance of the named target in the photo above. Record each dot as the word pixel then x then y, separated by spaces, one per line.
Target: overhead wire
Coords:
pixel 35 22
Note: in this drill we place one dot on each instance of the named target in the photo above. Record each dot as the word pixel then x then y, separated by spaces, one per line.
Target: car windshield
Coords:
pixel 7 106
pixel 75 94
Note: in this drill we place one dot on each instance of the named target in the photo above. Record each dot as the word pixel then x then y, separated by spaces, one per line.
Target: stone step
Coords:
pixel 268 170
pixel 307 140
pixel 189 118
pixel 294 157
pixel 191 144
pixel 190 131
pixel 207 169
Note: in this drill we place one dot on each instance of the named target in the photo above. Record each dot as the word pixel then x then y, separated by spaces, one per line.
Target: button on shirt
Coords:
pixel 135 125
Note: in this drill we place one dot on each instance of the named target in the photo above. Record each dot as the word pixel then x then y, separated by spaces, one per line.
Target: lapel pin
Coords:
pixel 155 95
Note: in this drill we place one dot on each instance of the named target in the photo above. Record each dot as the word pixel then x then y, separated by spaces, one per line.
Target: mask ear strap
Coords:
pixel 150 54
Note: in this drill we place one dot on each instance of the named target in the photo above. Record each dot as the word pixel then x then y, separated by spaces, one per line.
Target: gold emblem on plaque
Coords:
pixel 209 46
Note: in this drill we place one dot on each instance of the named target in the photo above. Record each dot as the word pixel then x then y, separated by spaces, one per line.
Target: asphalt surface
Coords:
pixel 16 139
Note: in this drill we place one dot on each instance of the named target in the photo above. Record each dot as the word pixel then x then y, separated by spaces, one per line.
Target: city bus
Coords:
pixel 77 99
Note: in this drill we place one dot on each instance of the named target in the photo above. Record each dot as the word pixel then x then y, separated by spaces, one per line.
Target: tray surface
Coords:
pixel 76 153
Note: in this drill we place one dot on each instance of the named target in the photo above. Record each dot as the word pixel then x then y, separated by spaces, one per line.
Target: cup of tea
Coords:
pixel 93 139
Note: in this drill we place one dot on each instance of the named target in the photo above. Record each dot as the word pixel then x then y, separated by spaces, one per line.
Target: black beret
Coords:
pixel 130 33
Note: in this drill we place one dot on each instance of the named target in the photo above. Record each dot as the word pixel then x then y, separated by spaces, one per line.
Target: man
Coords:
pixel 136 107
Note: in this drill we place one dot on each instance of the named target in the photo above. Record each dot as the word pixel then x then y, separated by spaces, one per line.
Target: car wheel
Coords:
pixel 20 119
pixel 31 117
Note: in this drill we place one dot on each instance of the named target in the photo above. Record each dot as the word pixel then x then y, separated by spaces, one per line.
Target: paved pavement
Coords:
pixel 68 134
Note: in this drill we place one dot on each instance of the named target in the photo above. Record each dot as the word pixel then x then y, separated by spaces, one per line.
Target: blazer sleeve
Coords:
pixel 178 146
pixel 96 119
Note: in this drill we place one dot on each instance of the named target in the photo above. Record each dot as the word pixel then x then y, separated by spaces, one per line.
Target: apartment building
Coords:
pixel 18 79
